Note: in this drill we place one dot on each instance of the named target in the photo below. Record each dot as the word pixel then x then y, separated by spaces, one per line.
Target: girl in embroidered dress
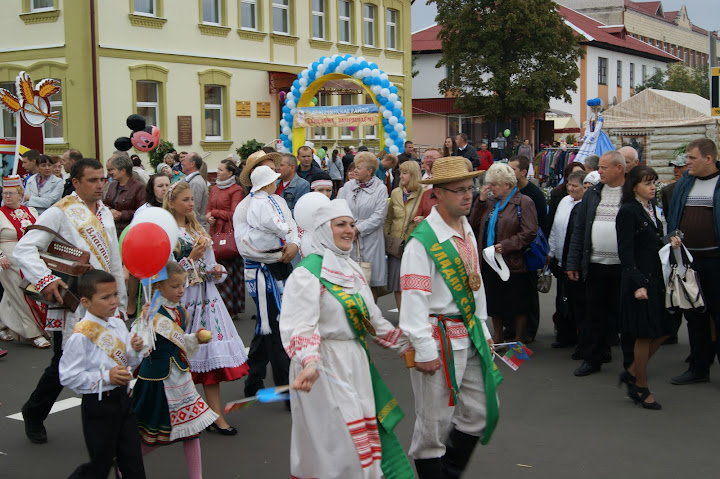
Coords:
pixel 224 358
pixel 167 405
pixel 19 315
pixel 335 431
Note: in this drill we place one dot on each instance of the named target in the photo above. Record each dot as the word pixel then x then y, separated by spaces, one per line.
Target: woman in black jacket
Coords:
pixel 642 305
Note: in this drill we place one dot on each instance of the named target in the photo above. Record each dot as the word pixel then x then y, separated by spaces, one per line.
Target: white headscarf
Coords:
pixel 337 266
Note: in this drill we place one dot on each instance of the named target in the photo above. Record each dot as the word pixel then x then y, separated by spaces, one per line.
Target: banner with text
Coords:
pixel 344 115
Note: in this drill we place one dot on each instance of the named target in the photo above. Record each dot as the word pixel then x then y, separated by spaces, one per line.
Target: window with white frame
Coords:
pixel 602 70
pixel 211 12
pixel 248 14
pixel 345 21
pixel 54 133
pixel 41 5
pixel 148 105
pixel 391 34
pixel 7 119
pixel 369 24
pixel 632 75
pixel 644 73
pixel 213 112
pixel 321 133
pixel 281 16
pixel 370 130
pixel 619 73
pixel 318 19
pixel 144 7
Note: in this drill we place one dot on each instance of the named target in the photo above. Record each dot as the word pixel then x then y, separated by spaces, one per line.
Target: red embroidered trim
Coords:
pixel 452 330
pixel 389 339
pixel 365 436
pixel 45 280
pixel 55 324
pixel 415 281
pixel 313 358
pixel 338 273
pixel 298 343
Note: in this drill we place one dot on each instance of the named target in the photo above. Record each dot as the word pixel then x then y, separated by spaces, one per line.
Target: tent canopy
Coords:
pixel 659 108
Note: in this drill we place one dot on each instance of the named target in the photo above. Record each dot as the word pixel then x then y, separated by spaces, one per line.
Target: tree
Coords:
pixel 680 78
pixel 158 154
pixel 506 58
pixel 655 81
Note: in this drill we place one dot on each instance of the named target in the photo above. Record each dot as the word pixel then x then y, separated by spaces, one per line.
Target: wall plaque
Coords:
pixel 184 130
pixel 263 109
pixel 242 109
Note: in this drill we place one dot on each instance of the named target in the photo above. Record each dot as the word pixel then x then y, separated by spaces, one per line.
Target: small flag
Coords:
pixel 266 395
pixel 516 355
pixel 161 276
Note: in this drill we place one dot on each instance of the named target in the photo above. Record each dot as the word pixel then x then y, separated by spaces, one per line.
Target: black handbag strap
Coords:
pixel 684 257
pixel 52 232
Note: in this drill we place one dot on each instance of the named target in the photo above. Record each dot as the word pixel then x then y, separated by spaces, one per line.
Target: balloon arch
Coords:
pixel 337 67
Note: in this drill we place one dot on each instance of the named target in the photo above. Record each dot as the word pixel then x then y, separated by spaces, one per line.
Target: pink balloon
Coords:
pixel 282 96
pixel 351 128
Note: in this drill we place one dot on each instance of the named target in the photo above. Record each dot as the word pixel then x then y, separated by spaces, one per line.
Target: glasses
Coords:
pixel 459 191
pixel 9 193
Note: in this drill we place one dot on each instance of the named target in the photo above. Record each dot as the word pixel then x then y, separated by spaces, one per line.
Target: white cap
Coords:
pixel 261 177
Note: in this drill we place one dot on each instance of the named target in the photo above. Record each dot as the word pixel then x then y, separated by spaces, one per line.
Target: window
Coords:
pixel 281 16
pixel 41 5
pixel 391 34
pixel 54 133
pixel 602 70
pixel 644 73
pixel 686 55
pixel 345 22
pixel 248 14
pixel 619 73
pixel 7 119
pixel 318 19
pixel 369 24
pixel 147 103
pixel 211 11
pixel 213 112
pixel 632 75
pixel 145 7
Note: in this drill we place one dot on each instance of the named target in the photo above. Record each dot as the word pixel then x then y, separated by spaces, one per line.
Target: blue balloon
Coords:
pixel 384 83
pixel 285 109
pixel 311 76
pixel 331 68
pixel 376 81
pixel 382 99
pixel 364 65
pixel 401 119
pixel 296 84
pixel 347 57
pixel 373 66
pixel 393 89
pixel 314 66
pixel 388 128
pixel 367 80
pixel 288 117
pixel 283 137
pixel 397 113
pixel 386 121
pixel 322 59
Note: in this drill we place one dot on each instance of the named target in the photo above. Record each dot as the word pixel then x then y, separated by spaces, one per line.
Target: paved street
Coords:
pixel 552 424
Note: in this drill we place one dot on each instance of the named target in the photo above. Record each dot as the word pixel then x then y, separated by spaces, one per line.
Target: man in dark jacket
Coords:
pixel 69 157
pixel 290 186
pixel 308 166
pixel 466 151
pixel 347 159
pixel 695 205
pixel 593 256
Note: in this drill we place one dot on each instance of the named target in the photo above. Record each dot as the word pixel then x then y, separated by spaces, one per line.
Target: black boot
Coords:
pixel 429 468
pixel 458 449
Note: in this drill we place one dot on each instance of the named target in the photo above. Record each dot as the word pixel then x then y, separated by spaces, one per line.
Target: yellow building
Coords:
pixel 208 73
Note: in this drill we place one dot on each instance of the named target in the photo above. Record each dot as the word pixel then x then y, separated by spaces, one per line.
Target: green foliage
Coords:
pixel 682 149
pixel 248 148
pixel 571 139
pixel 506 59
pixel 680 78
pixel 414 72
pixel 157 155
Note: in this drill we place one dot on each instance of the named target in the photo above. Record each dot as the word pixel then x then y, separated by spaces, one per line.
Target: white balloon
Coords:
pixel 342 66
pixel 366 72
pixel 334 57
pixel 327 61
pixel 305 209
pixel 389 141
pixel 302 89
pixel 290 104
pixel 290 97
pixel 360 59
pixel 284 149
pixel 287 130
pixel 376 89
pixel 304 73
pixel 399 127
pixel 384 92
pixel 162 218
pixel 393 120
pixel 393 149
pixel 398 105
pixel 303 82
pixel 376 73
pixel 293 111
pixel 402 134
pixel 321 68
pixel 283 123
pixel 358 74
pixel 387 114
pixel 392 97
pixel 351 61
pixel 381 109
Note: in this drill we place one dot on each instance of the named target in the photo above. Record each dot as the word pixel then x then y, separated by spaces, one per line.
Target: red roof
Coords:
pixel 591 32
pixel 651 8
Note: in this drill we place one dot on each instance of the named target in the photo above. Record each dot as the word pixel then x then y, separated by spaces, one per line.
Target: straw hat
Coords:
pixel 254 160
pixel 449 169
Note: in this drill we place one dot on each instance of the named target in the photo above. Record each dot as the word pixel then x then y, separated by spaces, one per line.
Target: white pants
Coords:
pixel 434 418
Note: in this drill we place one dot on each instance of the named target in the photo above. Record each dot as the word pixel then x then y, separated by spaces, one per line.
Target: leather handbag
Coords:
pixel 395 246
pixel 365 266
pixel 544 280
pixel 223 242
pixel 683 291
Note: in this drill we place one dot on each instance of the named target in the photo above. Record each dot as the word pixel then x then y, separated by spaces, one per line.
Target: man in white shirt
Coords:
pixel 447 316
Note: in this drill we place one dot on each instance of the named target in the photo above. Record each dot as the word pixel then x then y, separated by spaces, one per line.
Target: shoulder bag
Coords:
pixel 223 242
pixel 683 291
pixel 395 246
pixel 365 266
pixel 536 254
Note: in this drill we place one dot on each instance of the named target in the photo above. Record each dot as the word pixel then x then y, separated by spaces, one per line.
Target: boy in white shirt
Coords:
pixel 97 362
pixel 268 228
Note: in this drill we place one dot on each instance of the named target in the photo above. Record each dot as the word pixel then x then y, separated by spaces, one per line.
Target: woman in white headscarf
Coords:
pixel 327 311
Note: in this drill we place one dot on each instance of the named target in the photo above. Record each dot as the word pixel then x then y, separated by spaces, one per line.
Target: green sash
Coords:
pixel 394 464
pixel 448 262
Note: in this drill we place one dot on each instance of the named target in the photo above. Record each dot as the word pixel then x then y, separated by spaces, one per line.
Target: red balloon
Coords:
pixel 145 250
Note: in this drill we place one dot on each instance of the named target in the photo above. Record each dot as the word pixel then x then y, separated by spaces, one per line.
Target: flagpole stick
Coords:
pixel 17 144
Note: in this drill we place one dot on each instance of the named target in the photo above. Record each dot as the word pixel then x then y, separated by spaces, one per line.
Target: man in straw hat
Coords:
pixel 264 279
pixel 444 313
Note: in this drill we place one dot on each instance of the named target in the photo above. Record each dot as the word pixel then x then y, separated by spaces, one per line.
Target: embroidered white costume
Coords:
pixel 95 233
pixel 267 224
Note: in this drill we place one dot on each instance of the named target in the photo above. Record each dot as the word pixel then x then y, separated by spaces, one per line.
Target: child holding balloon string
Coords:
pixel 223 358
pixel 167 405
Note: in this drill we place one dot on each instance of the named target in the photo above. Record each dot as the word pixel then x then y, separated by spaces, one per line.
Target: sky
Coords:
pixel 703 13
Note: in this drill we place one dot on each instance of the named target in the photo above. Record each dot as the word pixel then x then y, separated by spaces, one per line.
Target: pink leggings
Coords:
pixel 192 456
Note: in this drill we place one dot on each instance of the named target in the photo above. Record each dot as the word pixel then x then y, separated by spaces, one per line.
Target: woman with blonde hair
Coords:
pixel 367 197
pixel 223 358
pixel 19 316
pixel 404 202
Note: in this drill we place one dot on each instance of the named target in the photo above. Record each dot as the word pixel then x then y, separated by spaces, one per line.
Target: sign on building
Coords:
pixel 242 109
pixel 263 109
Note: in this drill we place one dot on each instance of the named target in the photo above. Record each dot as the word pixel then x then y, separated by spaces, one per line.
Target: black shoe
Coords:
pixel 577 355
pixel 607 357
pixel 586 369
pixel 643 394
pixel 34 431
pixel 458 449
pixel 629 381
pixel 670 340
pixel 689 377
pixel 230 431
pixel 429 468
pixel 561 344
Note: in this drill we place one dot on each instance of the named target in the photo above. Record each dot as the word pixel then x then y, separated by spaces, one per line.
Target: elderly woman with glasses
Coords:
pixel 508 223
pixel 19 316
